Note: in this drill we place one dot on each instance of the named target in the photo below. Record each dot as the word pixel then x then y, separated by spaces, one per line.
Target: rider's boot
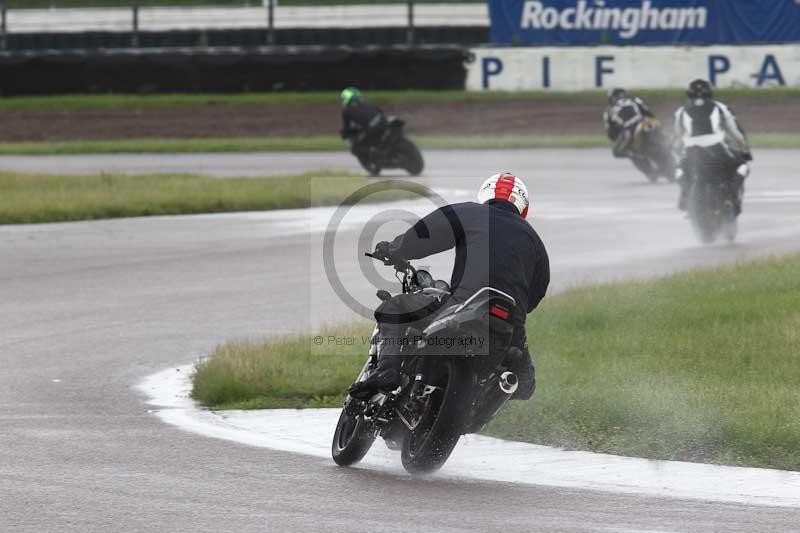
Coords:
pixel 386 376
pixel 520 362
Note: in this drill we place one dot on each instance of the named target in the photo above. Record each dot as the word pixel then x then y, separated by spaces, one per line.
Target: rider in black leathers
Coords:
pixel 363 123
pixel 494 246
pixel 623 114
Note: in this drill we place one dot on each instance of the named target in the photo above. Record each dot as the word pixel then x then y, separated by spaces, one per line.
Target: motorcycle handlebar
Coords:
pixel 398 264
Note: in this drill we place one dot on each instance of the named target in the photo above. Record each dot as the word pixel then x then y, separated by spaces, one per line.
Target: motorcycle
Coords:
pixel 449 386
pixel 392 150
pixel 648 142
pixel 712 205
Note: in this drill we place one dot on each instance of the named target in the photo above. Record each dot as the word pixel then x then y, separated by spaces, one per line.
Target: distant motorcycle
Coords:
pixel 648 141
pixel 450 387
pixel 393 150
pixel 711 204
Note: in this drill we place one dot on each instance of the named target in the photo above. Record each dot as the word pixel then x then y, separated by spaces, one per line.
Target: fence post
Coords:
pixel 270 22
pixel 3 43
pixel 410 29
pixel 135 34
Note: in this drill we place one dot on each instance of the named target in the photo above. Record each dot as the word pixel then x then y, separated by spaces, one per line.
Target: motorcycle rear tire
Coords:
pixel 428 447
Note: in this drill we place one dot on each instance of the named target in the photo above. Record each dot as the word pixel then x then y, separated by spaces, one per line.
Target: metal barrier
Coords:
pixel 270 17
pixel 232 70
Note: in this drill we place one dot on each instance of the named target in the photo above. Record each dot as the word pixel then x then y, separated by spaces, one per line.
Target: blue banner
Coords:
pixel 624 22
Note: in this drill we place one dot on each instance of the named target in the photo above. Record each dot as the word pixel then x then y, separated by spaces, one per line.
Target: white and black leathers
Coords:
pixel 710 142
pixel 707 122
pixel 623 115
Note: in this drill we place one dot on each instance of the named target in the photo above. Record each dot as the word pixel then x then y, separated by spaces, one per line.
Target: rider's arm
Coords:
pixel 610 130
pixel 644 108
pixel 540 281
pixel 435 233
pixel 678 149
pixel 733 129
pixel 346 130
pixel 678 128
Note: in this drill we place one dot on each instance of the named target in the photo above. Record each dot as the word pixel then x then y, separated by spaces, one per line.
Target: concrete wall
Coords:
pixel 585 68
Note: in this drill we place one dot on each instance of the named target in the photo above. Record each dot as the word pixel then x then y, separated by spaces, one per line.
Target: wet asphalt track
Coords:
pixel 87 309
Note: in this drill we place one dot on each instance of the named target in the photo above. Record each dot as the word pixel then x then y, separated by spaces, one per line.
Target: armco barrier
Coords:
pixel 586 68
pixel 247 37
pixel 232 70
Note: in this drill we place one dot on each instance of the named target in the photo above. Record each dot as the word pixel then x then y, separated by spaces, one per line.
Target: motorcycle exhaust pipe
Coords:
pixel 508 382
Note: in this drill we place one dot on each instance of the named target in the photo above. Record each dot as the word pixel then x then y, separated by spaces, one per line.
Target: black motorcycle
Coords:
pixel 712 209
pixel 647 141
pixel 392 150
pixel 450 385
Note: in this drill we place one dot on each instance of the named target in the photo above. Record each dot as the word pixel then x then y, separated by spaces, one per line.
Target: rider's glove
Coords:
pixel 743 170
pixel 382 250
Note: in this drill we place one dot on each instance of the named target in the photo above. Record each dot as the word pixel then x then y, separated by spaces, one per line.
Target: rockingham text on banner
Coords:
pixel 626 22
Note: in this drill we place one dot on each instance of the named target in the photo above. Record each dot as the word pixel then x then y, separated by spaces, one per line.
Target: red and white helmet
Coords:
pixel 508 187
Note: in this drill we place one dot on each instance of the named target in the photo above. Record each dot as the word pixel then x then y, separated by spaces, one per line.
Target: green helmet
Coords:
pixel 349 95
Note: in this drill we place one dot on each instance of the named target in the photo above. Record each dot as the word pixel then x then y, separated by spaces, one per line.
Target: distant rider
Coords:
pixel 712 140
pixel 621 117
pixel 363 123
pixel 494 246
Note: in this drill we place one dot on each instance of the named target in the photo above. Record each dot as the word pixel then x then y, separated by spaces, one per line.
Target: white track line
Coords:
pixel 309 432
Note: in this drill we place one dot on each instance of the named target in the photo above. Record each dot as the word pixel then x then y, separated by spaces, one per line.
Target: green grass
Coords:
pixel 27 198
pixel 154 145
pixel 115 101
pixel 700 366
pixel 281 372
pixel 331 143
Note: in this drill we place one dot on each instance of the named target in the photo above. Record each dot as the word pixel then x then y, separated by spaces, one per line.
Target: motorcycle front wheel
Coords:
pixel 731 229
pixel 352 439
pixel 411 157
pixel 704 220
pixel 372 168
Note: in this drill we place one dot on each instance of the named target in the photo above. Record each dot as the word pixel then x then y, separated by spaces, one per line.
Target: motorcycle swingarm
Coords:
pixel 410 413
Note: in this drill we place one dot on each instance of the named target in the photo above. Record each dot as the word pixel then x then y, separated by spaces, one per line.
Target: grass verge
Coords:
pixel 699 366
pixel 330 98
pixel 330 143
pixel 33 198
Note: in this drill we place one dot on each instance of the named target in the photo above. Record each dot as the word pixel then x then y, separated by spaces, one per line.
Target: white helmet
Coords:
pixel 505 186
